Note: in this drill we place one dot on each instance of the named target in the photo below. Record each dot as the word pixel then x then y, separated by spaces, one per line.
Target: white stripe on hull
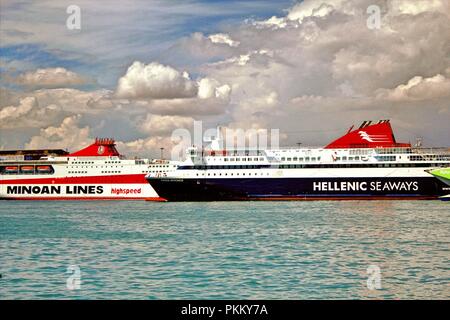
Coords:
pixel 77 191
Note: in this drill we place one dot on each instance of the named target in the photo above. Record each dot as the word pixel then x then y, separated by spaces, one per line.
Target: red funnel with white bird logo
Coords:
pixel 379 135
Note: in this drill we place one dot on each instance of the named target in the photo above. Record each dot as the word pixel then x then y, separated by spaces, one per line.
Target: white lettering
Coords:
pixel 374 19
pixel 198 310
pixel 316 186
pixel 73 21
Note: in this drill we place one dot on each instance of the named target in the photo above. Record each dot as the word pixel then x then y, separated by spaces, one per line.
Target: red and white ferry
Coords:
pixel 97 172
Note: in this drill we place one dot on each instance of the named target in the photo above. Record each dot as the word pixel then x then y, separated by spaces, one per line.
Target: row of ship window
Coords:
pixel 301 159
pixel 394 150
pixel 31 172
pixel 379 158
pixel 237 174
pixel 92 162
pixel 95 167
pixel 78 172
pixel 83 162
pixel 433 157
pixel 301 166
pixel 343 158
pixel 386 158
pixel 412 158
pixel 241 159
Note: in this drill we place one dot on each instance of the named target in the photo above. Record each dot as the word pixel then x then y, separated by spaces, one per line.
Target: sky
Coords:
pixel 138 70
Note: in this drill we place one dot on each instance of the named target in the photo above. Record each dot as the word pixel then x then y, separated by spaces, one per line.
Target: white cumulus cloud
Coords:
pixel 165 125
pixel 13 112
pixel 211 88
pixel 223 38
pixel 420 6
pixel 50 78
pixel 68 135
pixel 419 88
pixel 155 81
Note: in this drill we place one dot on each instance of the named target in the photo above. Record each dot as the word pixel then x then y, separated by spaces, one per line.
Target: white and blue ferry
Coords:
pixel 365 163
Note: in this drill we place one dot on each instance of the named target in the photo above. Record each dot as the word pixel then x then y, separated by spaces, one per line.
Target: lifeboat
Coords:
pixel 27 169
pixel 11 169
pixel 44 169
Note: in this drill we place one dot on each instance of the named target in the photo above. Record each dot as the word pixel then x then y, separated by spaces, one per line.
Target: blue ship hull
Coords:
pixel 217 189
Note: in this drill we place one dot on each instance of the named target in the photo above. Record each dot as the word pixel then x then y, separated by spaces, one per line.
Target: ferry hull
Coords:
pixel 299 188
pixel 443 174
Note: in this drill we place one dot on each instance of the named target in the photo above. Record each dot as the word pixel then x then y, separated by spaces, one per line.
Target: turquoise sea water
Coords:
pixel 225 250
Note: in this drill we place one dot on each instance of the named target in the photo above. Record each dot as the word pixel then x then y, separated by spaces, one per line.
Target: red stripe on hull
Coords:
pixel 159 199
pixel 84 199
pixel 116 179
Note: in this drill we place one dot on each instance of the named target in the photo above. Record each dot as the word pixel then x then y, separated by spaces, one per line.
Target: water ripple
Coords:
pixel 249 250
